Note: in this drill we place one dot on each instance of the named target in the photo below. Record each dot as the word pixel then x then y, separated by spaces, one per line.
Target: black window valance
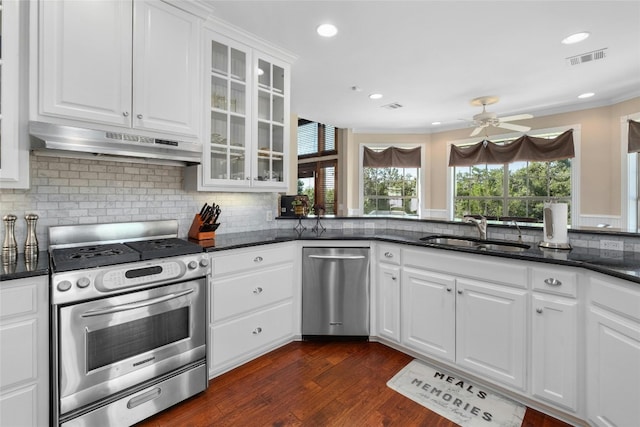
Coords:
pixel 525 148
pixel 634 136
pixel 392 157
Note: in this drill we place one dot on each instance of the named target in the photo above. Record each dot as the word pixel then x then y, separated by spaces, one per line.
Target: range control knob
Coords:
pixel 64 286
pixel 204 262
pixel 192 265
pixel 83 282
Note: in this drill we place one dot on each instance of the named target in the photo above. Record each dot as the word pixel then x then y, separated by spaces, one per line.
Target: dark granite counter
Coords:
pixel 21 269
pixel 621 264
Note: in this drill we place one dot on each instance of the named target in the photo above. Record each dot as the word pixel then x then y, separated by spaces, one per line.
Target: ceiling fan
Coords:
pixel 487 118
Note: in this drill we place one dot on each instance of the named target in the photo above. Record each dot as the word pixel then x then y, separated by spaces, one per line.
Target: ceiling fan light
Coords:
pixel 327 30
pixel 586 95
pixel 436 123
pixel 375 96
pixel 575 38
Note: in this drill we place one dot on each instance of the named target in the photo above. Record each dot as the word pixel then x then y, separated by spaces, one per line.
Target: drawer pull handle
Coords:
pixel 388 254
pixel 258 259
pixel 552 281
pixel 257 331
pixel 257 290
pixel 539 310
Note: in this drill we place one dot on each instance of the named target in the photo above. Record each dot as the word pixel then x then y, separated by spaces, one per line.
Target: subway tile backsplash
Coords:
pixel 78 191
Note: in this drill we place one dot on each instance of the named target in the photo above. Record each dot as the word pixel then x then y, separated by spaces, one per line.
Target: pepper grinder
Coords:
pixel 9 246
pixel 31 244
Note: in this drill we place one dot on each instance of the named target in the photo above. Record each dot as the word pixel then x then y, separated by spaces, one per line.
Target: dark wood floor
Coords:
pixel 313 384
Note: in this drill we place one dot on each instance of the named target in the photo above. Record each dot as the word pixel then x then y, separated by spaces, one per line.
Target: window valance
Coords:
pixel 392 157
pixel 525 148
pixel 634 136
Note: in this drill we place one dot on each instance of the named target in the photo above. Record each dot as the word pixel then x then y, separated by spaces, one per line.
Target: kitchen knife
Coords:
pixel 204 208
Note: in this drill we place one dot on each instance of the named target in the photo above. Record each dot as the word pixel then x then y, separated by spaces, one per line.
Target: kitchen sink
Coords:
pixel 473 243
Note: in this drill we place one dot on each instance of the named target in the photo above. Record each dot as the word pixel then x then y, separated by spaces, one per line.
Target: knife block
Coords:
pixel 196 234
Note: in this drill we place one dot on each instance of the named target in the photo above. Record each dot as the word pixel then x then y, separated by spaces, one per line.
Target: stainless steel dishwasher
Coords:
pixel 335 293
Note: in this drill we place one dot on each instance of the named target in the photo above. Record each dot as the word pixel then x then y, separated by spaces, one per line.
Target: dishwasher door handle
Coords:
pixel 337 257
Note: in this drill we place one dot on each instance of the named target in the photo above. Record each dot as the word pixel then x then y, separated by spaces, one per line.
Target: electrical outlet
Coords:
pixel 269 216
pixel 611 245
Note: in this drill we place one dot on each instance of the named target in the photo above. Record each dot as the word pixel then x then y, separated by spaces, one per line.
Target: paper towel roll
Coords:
pixel 555 223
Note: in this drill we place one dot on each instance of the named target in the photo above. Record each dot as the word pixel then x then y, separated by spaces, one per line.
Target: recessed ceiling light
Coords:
pixel 586 95
pixel 436 123
pixel 327 30
pixel 375 96
pixel 575 38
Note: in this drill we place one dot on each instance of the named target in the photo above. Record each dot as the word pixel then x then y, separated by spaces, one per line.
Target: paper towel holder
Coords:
pixel 549 231
pixel 550 245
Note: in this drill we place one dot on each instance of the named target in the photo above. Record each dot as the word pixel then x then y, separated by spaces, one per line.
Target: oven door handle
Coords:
pixel 134 305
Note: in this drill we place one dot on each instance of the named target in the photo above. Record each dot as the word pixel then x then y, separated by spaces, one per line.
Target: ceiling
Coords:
pixel 433 57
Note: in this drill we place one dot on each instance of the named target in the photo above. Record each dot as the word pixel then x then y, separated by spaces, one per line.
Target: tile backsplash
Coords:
pixel 78 191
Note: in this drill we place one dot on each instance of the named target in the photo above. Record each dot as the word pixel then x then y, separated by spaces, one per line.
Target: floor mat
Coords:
pixel 454 398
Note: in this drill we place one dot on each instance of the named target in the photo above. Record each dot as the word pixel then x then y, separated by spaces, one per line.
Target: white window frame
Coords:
pixel 422 179
pixel 630 204
pixel 575 166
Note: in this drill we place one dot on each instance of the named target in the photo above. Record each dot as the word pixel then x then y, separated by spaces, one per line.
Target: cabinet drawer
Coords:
pixel 555 280
pixel 243 261
pixel 389 254
pixel 619 296
pixel 238 294
pixel 18 300
pixel 241 338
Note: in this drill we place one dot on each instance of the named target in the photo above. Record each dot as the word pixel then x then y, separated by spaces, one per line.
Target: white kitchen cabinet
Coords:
pixel 554 336
pixel 252 304
pixel 24 352
pixel 14 153
pixel 246 147
pixel 388 292
pixel 491 330
pixel 429 310
pixel 130 63
pixel 613 352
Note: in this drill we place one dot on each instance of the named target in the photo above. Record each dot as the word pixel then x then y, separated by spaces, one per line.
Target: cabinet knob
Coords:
pixel 257 259
pixel 460 292
pixel 125 113
pixel 257 331
pixel 388 254
pixel 552 281
pixel 539 310
pixel 139 116
pixel 257 290
pixel 394 278
pixel 449 289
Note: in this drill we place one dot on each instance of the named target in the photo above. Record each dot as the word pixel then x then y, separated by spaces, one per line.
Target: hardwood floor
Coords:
pixel 313 384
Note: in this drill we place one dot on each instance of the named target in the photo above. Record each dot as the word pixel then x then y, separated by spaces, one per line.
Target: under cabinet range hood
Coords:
pixel 111 144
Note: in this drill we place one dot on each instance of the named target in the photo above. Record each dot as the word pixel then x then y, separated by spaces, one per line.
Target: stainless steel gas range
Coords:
pixel 128 321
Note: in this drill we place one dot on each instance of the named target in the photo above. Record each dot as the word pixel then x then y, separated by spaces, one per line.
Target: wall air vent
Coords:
pixel 587 57
pixel 392 106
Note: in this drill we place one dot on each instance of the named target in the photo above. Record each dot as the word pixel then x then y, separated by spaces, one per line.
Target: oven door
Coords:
pixel 110 344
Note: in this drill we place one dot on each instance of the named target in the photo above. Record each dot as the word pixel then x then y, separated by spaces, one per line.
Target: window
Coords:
pixel 390 181
pixel 318 164
pixel 517 189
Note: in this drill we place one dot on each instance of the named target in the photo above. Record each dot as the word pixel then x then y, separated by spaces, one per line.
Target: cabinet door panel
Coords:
pixel 389 302
pixel 165 73
pixel 85 63
pixel 491 330
pixel 554 350
pixel 428 305
pixel 614 370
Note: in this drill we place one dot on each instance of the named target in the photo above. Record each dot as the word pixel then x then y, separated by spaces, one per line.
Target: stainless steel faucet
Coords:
pixel 519 231
pixel 481 225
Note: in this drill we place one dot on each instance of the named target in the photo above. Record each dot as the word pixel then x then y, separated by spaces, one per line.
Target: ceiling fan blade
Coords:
pixel 477 130
pixel 516 117
pixel 511 126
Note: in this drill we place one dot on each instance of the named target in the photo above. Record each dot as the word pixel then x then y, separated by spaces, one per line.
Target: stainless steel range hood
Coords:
pixel 67 139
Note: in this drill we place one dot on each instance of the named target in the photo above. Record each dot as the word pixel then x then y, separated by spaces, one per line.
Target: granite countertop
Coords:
pixel 622 264
pixel 21 269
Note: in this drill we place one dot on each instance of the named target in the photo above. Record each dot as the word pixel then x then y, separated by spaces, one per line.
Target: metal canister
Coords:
pixel 31 243
pixel 9 246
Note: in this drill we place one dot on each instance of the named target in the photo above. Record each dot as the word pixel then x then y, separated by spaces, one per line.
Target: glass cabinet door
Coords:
pixel 271 120
pixel 229 131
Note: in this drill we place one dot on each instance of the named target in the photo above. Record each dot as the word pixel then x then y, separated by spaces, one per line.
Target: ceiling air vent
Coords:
pixel 392 106
pixel 587 57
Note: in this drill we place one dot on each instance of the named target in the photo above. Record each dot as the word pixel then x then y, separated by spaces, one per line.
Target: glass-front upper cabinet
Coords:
pixel 272 115
pixel 229 129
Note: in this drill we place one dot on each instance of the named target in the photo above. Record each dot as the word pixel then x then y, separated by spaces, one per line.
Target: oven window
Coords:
pixel 115 343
